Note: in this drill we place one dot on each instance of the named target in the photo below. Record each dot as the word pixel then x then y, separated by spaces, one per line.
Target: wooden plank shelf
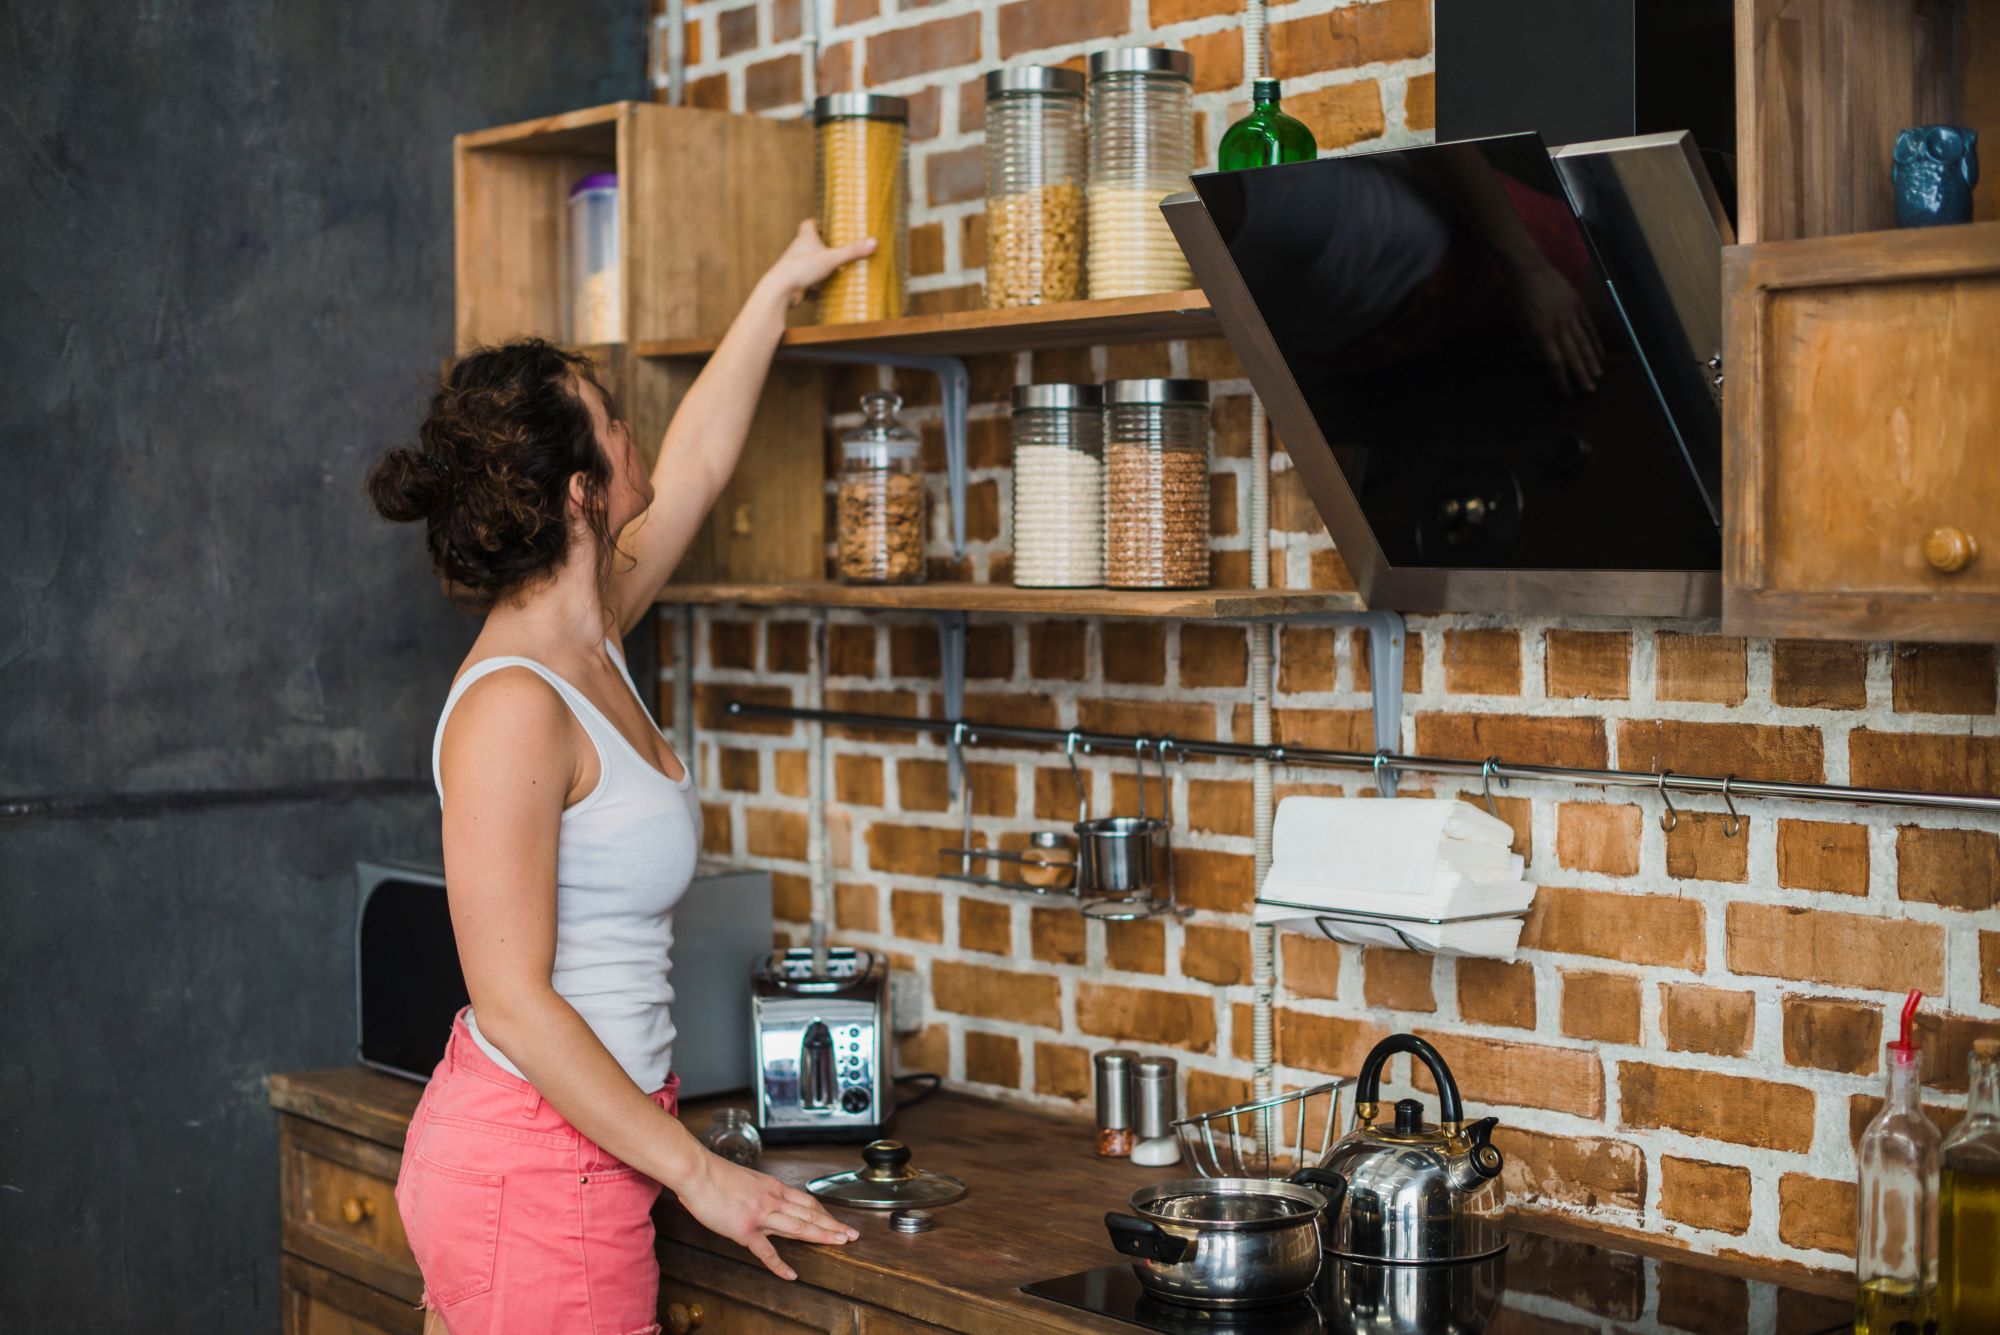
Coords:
pixel 1165 315
pixel 1176 604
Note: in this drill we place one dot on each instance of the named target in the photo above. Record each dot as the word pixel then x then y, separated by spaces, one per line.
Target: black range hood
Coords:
pixel 1496 404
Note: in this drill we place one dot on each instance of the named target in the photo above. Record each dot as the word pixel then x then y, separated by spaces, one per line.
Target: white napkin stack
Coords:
pixel 1401 858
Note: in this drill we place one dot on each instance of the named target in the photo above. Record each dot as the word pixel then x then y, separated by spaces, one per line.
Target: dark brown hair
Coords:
pixel 489 472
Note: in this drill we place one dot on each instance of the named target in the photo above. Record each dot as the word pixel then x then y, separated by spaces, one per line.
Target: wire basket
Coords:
pixel 1270 1138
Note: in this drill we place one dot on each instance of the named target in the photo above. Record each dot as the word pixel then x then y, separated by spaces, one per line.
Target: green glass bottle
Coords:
pixel 1267 136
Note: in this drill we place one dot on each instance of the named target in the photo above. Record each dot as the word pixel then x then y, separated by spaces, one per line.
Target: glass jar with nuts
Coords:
pixel 881 511
pixel 1156 484
pixel 1034 186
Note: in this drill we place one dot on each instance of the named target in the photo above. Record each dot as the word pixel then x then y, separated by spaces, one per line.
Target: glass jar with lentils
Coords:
pixel 1156 484
pixel 1141 150
pixel 1034 186
pixel 1058 486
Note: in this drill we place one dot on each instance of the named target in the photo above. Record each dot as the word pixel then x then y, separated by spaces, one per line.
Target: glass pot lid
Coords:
pixel 886 1181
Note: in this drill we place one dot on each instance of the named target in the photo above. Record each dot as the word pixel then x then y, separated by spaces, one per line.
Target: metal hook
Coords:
pixel 1735 822
pixel 1076 777
pixel 1669 818
pixel 1139 745
pixel 959 732
pixel 1486 777
pixel 1385 776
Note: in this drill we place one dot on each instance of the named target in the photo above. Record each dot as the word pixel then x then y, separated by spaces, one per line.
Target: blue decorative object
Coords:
pixel 1936 168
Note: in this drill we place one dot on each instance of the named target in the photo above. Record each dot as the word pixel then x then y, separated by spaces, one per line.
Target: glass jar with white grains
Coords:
pixel 596 308
pixel 1141 151
pixel 1058 486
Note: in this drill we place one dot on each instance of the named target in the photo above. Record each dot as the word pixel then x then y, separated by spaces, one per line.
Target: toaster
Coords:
pixel 820 1022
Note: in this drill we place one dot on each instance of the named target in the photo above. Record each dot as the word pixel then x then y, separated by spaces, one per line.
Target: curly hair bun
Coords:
pixel 405 487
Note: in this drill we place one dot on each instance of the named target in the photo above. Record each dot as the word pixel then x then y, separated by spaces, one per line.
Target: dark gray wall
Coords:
pixel 225 270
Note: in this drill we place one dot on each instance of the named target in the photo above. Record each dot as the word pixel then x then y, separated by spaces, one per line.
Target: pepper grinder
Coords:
pixel 1154 1093
pixel 1115 1138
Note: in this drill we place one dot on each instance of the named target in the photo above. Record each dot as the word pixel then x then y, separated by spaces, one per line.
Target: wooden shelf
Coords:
pixel 1175 604
pixel 1166 315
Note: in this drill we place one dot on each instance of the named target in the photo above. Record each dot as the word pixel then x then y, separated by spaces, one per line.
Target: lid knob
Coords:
pixel 1409 1117
pixel 885 1154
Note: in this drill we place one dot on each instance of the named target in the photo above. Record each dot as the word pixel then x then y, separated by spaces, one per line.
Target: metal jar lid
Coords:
pixel 870 106
pixel 1142 60
pixel 1155 391
pixel 1053 80
pixel 913 1221
pixel 1057 396
pixel 1114 1088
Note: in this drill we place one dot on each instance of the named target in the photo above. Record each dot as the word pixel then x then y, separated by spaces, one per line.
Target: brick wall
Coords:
pixel 1691 1039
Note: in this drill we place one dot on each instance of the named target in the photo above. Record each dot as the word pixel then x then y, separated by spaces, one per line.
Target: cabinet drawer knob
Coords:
pixel 357 1208
pixel 1950 550
pixel 684 1317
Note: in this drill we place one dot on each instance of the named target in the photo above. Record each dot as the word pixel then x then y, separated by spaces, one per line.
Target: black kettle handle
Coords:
pixel 1326 1182
pixel 1368 1089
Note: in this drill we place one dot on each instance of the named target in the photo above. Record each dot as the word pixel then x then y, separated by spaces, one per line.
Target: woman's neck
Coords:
pixel 567 610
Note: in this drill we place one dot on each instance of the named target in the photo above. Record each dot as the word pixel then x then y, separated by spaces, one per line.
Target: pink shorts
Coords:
pixel 520 1223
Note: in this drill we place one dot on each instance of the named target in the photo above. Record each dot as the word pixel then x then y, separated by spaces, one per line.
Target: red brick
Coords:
pixel 1713 668
pixel 1321 729
pixel 1588 664
pixel 1766 751
pixel 1829 1034
pixel 917 915
pixel 1305 659
pixel 732 644
pixel 992 1059
pixel 716 837
pixel 1520 1075
pixel 1026 708
pixel 1707 1019
pixel 1145 1015
pixel 1716 1107
pixel 996 994
pixel 1331 1045
pixel 1520 738
pixel 789 773
pixel 902 703
pixel 1819 674
pixel 1706 1195
pixel 1816 1213
pixel 778 82
pixel 1218 63
pixel 1823 855
pixel 1343 115
pixel 1586 1171
pixel 710 92
pixel 1600 1006
pixel 1947 1043
pixel 1637 929
pixel 1056 650
pixel 1839 949
pixel 926 244
pixel 1926 762
pixel 1420 102
pixel 1360 34
pixel 774 834
pixel 791 897
pixel 1598 836
pixel 1136 654
pixel 1989 968
pixel 911 850
pixel 1214 656
pixel 736 30
pixel 857 908
pixel 854 11
pixel 1700 848
pixel 1398 980
pixel 1482 662
pixel 739 771
pixel 1413 662
pixel 857 780
pixel 1223 882
pixel 1495 992
pixel 1031 25
pixel 1137 361
pixel 1163 13
pixel 1292 509
pixel 929 1050
pixel 1943 678
pixel 1153 718
pixel 1063 1071
pixel 1056 936
pixel 903 53
pixel 952 177
pixel 1958 869
pixel 1220 806
pixel 986 927
pixel 1136 947
pixel 1862 1109
pixel 1219 955
pixel 1310 965
pixel 926 109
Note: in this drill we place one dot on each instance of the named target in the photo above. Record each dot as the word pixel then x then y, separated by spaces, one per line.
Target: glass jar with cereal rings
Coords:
pixel 861 161
pixel 1034 186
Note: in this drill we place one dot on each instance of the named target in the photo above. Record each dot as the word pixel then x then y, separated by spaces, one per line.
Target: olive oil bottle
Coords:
pixel 1969 1204
pixel 1896 1235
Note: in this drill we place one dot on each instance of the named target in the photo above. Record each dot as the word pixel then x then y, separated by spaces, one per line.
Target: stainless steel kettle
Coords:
pixel 1415 1193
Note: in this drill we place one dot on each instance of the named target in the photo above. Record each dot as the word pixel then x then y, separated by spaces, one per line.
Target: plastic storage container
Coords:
pixel 1141 150
pixel 596 311
pixel 1034 186
pixel 861 163
pixel 1156 484
pixel 881 511
pixel 1058 486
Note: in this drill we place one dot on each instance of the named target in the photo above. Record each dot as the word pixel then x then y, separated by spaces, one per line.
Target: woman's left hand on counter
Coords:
pixel 808 262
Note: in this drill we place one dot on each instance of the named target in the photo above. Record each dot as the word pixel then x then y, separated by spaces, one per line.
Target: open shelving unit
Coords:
pixel 1179 604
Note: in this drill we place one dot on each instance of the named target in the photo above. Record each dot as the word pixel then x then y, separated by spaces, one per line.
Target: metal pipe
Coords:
pixel 1123 743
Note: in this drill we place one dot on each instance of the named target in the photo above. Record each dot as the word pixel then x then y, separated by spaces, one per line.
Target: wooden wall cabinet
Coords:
pixel 707 200
pixel 1862 402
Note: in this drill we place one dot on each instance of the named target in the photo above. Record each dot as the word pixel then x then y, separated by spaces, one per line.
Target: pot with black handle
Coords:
pixel 1415 1193
pixel 1226 1241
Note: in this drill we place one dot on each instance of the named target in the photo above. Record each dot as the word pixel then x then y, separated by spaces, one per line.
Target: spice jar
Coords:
pixel 1058 486
pixel 733 1135
pixel 861 161
pixel 1156 484
pixel 1034 186
pixel 595 313
pixel 1141 150
pixel 1115 1136
pixel 880 511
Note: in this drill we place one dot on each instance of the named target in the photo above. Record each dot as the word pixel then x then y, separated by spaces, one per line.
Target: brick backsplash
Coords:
pixel 1690 1040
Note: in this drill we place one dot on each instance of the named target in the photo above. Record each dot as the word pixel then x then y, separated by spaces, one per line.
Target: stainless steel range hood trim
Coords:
pixel 1662 593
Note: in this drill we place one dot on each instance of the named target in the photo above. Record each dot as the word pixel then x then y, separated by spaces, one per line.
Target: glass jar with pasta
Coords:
pixel 862 165
pixel 1034 186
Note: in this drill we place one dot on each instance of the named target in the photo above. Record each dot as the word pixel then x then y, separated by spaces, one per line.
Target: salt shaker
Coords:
pixel 1115 1137
pixel 1155 1105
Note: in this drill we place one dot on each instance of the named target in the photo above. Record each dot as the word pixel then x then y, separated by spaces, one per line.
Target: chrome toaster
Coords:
pixel 821 1029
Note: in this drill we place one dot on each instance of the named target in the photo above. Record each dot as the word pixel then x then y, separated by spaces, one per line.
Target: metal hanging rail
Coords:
pixel 1727 786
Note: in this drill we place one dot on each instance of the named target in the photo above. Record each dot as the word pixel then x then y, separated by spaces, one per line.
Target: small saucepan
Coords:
pixel 1123 861
pixel 1226 1241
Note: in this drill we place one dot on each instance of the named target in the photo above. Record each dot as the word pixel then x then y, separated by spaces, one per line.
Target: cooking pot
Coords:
pixel 1124 862
pixel 1226 1241
pixel 1414 1193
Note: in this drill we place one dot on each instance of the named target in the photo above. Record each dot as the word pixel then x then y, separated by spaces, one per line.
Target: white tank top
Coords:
pixel 624 858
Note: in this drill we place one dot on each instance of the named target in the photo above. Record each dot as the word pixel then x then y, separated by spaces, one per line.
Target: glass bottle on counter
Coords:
pixel 733 1135
pixel 881 509
pixel 1267 136
pixel 1034 186
pixel 861 161
pixel 1969 1204
pixel 1896 1238
pixel 1141 151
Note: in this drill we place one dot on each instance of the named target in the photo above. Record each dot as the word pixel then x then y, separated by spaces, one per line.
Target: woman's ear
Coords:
pixel 579 495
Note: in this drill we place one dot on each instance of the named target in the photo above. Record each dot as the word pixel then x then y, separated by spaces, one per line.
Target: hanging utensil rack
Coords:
pixel 1488 769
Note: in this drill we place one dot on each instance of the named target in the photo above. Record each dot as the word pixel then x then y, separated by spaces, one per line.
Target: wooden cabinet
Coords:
pixel 319 1302
pixel 1862 408
pixel 701 1293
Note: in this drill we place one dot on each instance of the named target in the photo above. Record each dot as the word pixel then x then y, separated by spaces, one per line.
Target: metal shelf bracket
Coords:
pixel 954 393
pixel 1386 635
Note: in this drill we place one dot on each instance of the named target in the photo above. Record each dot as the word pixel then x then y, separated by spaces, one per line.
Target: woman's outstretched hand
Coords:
pixel 748 1207
pixel 808 261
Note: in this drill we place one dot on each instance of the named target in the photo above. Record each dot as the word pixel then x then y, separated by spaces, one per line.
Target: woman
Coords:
pixel 570 830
